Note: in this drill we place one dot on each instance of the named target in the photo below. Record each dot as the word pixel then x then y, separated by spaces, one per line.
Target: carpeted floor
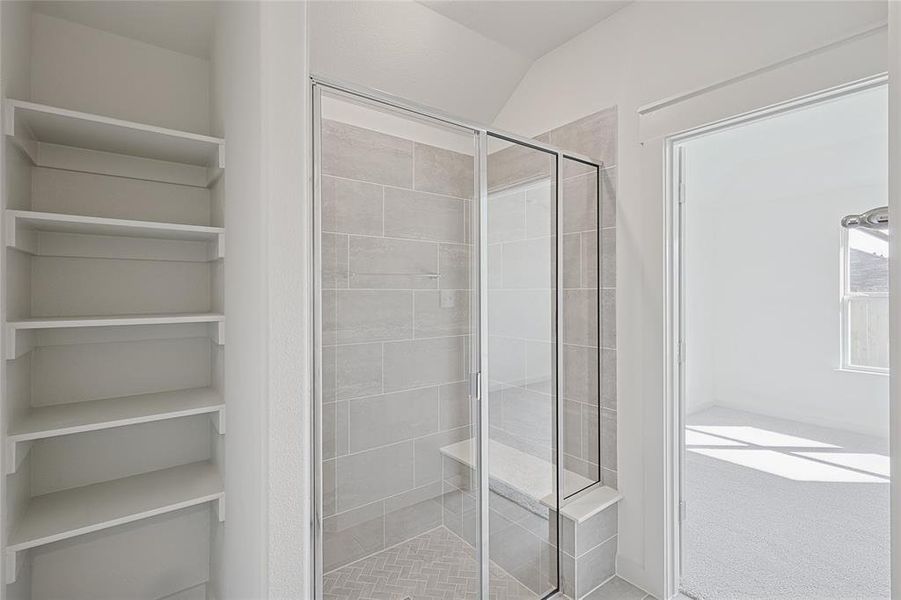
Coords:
pixel 780 510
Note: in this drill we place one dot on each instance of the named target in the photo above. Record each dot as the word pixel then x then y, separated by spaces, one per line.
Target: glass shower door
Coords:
pixel 397 512
pixel 438 341
pixel 519 369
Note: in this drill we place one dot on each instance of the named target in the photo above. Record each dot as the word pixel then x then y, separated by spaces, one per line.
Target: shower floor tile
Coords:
pixel 434 565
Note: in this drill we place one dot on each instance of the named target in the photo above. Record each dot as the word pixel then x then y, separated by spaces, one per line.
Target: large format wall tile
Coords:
pixel 392 264
pixel 389 418
pixel 580 373
pixel 420 363
pixel 370 316
pixel 358 370
pixel 608 440
pixel 608 197
pixel 365 155
pixel 351 206
pixel 527 264
pixel 608 258
pixel 423 216
pixel 540 204
pixel 608 378
pixel 580 317
pixel 506 216
pixel 573 256
pixel 608 318
pixel 444 313
pixel 428 453
pixel 529 415
pixel 334 261
pixel 521 313
pixel 411 513
pixel 352 535
pixel 590 259
pixel 580 203
pixel 593 136
pixel 455 407
pixel 443 171
pixel 454 266
pixel 373 475
pixel 517 164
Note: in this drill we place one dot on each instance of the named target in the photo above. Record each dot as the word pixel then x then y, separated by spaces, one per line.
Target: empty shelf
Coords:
pixel 52 125
pixel 20 334
pixel 115 321
pixel 78 417
pixel 24 220
pixel 70 513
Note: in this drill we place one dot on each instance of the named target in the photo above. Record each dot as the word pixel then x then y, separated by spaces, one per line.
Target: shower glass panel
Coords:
pixel 521 331
pixel 455 352
pixel 395 247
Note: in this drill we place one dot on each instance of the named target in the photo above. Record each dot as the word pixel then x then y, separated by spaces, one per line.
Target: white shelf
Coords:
pixel 21 225
pixel 60 126
pixel 70 513
pixel 93 415
pixel 76 141
pixel 115 321
pixel 16 347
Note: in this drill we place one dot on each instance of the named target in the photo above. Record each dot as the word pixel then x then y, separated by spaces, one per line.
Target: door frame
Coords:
pixel 674 160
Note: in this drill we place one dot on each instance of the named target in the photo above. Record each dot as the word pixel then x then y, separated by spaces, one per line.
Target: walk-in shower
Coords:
pixel 456 351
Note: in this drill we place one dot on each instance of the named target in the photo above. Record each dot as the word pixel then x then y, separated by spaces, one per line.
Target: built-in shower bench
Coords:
pixel 588 523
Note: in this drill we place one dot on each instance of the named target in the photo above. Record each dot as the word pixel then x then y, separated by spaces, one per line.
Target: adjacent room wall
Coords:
pixel 643 53
pixel 762 212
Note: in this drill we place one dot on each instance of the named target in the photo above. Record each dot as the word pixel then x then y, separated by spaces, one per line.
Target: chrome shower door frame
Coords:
pixel 479 381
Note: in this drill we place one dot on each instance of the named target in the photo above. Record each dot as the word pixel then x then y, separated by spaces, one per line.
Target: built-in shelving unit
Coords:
pixel 94 415
pixel 61 138
pixel 19 341
pixel 90 375
pixel 62 515
pixel 23 225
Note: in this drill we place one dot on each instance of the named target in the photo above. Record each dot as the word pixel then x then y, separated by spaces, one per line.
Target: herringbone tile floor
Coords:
pixel 436 565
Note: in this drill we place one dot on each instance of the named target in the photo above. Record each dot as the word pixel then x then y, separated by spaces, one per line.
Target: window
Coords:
pixel 865 309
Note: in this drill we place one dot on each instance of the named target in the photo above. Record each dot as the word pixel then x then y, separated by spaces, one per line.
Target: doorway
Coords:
pixel 782 386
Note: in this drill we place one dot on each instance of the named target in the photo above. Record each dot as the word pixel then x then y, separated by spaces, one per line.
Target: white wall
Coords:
pixel 86 69
pixel 762 272
pixel 238 571
pixel 260 89
pixel 643 53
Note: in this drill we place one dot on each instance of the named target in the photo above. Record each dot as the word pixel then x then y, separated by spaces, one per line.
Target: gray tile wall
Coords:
pixel 589 377
pixel 396 256
pixel 395 307
pixel 594 136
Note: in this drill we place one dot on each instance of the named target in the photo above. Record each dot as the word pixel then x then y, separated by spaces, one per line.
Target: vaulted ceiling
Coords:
pixel 465 57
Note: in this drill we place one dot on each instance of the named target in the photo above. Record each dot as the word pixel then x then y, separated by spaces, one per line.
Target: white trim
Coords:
pixel 845 38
